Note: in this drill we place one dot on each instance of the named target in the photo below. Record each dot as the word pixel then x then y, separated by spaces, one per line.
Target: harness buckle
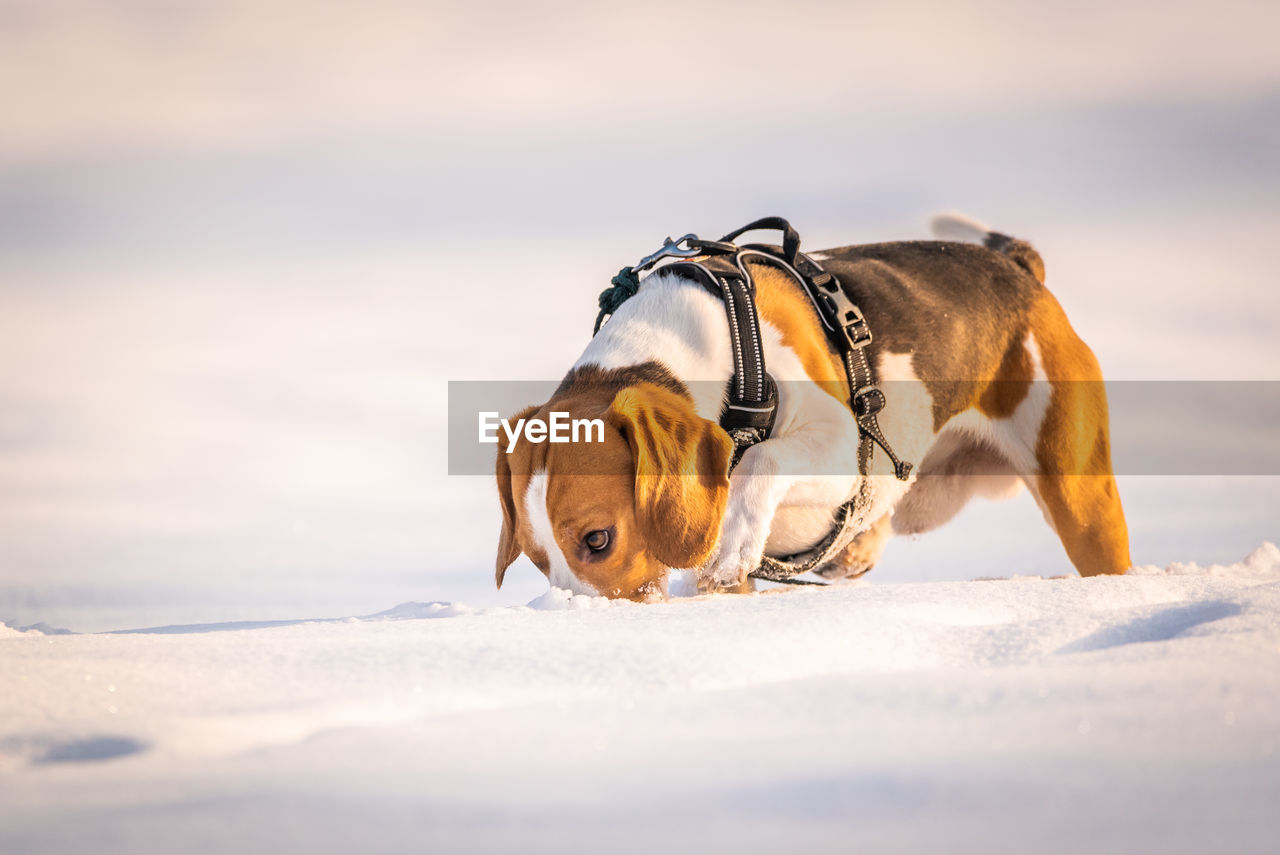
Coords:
pixel 856 330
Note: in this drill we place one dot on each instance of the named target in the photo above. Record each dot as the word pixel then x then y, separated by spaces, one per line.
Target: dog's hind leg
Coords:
pixel 1073 480
pixel 955 470
pixel 1085 512
pixel 1075 487
pixel 862 553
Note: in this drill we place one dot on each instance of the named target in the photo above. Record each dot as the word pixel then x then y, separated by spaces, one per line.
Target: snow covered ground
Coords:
pixel 1054 715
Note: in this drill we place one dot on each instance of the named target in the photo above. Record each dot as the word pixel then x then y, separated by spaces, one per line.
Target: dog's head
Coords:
pixel 611 517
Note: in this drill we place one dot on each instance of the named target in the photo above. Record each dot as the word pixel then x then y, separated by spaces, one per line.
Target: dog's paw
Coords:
pixel 861 554
pixel 739 552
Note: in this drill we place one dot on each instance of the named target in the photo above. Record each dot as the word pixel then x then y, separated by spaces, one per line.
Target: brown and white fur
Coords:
pixel 988 387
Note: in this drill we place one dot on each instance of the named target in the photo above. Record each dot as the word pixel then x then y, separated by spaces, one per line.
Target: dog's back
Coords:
pixel 969 305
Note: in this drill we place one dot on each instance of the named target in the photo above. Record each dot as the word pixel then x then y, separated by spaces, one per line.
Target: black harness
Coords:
pixel 752 404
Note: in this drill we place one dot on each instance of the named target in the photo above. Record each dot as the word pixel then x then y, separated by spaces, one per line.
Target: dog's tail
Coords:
pixel 953 226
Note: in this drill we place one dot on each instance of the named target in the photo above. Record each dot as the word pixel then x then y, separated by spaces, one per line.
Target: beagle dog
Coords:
pixel 988 390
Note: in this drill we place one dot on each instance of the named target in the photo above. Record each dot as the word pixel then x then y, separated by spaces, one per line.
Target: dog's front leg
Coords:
pixel 756 488
pixel 822 452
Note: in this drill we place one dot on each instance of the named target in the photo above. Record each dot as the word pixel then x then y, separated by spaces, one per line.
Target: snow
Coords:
pixel 1262 563
pixel 1113 714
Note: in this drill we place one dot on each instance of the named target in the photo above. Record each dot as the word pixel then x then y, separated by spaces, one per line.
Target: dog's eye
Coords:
pixel 597 541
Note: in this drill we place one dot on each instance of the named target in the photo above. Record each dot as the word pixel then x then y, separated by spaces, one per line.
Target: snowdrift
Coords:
pixel 1139 713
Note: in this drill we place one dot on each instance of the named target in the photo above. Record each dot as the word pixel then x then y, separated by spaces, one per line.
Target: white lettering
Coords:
pixel 587 425
pixel 489 427
pixel 560 428
pixel 512 435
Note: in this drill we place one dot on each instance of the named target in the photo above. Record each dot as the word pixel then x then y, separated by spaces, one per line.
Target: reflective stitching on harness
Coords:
pixel 733 336
pixel 755 343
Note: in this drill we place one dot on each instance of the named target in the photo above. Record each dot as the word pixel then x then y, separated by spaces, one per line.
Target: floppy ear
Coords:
pixel 508 542
pixel 682 472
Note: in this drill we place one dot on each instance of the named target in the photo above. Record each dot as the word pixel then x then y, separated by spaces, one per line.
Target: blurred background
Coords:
pixel 245 245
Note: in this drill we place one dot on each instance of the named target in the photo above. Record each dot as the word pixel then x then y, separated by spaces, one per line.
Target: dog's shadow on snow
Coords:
pixel 1164 625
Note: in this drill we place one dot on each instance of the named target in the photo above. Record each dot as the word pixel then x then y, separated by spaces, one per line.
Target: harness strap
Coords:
pixel 850 519
pixel 753 398
pixel 848 330
pixel 790 237
pixel 867 401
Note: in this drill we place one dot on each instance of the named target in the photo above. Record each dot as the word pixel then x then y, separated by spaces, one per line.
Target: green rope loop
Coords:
pixel 622 288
